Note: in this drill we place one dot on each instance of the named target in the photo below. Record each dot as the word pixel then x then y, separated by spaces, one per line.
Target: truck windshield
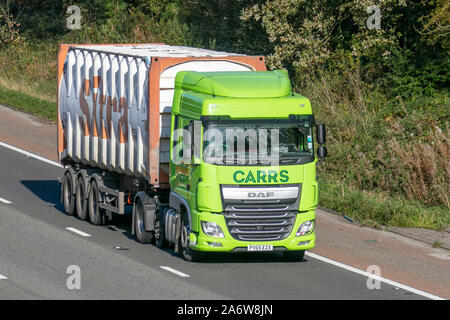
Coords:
pixel 258 142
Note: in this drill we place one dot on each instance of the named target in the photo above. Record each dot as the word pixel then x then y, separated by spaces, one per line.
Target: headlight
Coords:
pixel 212 229
pixel 305 228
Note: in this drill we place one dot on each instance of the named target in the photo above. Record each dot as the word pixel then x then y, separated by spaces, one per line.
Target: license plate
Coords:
pixel 260 247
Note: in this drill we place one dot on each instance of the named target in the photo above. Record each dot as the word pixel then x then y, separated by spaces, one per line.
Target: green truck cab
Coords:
pixel 242 165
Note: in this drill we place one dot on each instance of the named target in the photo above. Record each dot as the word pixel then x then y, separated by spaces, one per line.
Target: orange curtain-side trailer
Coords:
pixel 114 102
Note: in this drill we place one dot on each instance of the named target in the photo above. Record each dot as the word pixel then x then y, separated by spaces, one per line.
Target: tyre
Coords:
pixel 68 194
pixel 159 230
pixel 296 255
pixel 139 226
pixel 186 251
pixel 96 214
pixel 81 202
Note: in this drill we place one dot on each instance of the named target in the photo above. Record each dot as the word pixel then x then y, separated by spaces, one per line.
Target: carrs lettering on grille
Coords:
pixel 262 213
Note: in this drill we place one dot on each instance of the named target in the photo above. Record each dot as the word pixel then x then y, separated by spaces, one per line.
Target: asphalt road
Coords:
pixel 36 249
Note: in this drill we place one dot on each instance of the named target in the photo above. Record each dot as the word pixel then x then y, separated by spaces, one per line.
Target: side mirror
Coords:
pixel 322 152
pixel 321 134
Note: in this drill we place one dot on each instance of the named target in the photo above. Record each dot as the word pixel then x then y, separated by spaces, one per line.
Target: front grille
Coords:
pixel 259 224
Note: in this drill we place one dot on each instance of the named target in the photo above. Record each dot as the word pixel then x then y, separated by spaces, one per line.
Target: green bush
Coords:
pixel 383 93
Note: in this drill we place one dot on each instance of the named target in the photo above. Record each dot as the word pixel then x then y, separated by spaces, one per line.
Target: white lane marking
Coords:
pixel 366 274
pixel 5 201
pixel 442 256
pixel 32 155
pixel 2 277
pixel 179 273
pixel 81 233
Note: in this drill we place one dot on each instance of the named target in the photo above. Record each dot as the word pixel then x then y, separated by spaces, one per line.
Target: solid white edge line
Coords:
pixel 312 255
pixel 32 155
pixel 2 277
pixel 81 233
pixel 179 273
pixel 5 201
pixel 370 275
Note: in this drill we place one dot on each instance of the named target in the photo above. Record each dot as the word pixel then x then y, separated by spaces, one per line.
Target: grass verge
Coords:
pixel 376 209
pixel 23 102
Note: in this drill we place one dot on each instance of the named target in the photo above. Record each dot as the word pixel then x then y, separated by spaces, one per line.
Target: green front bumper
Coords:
pixel 202 242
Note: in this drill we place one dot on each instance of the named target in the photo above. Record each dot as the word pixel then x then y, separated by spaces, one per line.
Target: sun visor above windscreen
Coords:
pixel 245 84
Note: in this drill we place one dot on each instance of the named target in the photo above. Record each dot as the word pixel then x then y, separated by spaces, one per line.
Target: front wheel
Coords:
pixel 68 194
pixel 193 255
pixel 80 199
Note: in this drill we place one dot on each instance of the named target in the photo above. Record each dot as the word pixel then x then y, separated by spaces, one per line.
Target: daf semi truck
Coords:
pixel 206 150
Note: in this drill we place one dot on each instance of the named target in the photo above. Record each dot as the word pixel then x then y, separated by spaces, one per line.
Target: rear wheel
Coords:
pixel 81 200
pixel 142 235
pixel 296 255
pixel 186 251
pixel 96 214
pixel 68 194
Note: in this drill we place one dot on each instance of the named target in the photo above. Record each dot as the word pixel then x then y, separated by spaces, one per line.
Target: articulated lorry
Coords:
pixel 206 150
